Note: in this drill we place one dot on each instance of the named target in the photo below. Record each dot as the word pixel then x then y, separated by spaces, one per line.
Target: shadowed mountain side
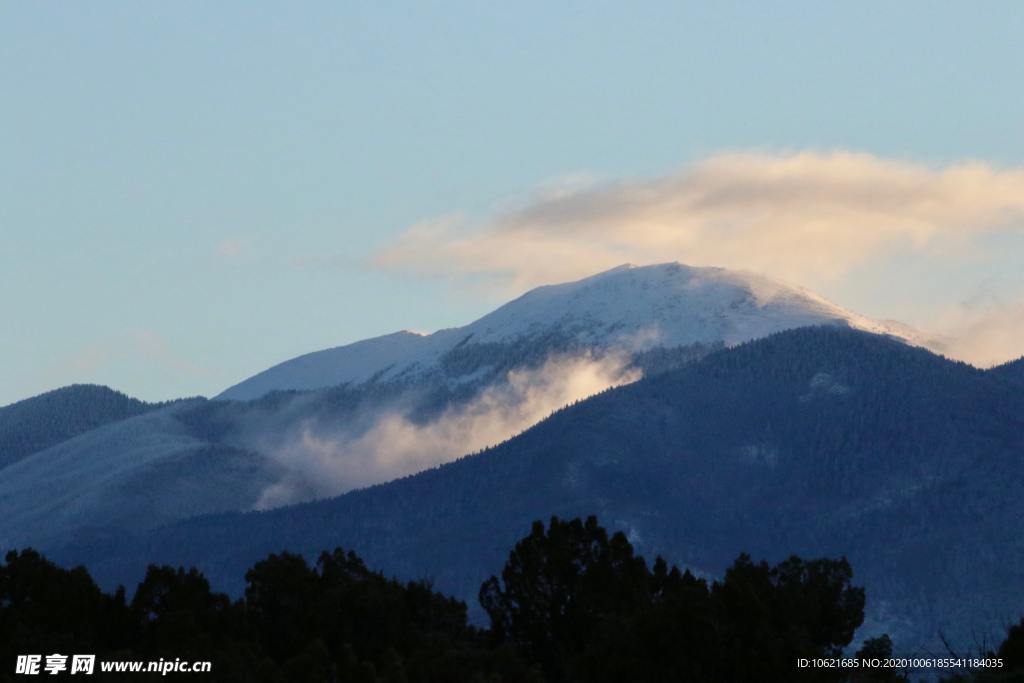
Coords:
pixel 130 475
pixel 818 441
pixel 37 423
pixel 195 456
pixel 343 419
pixel 1010 372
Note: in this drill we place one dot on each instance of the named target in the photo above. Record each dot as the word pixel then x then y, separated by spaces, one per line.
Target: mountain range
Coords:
pixel 817 441
pixel 334 420
pixel 709 412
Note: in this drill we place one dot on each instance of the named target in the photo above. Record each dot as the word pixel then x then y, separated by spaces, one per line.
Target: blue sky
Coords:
pixel 192 191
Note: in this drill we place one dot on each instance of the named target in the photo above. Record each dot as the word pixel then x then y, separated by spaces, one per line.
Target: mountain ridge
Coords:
pixel 635 308
pixel 39 422
pixel 815 441
pixel 1011 371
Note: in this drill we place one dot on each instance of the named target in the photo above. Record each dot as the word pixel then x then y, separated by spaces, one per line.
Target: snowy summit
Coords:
pixel 634 308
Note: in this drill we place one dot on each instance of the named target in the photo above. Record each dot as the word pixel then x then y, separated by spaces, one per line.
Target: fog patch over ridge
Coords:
pixel 323 461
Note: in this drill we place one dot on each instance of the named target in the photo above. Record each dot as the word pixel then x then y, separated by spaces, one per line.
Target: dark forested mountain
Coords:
pixel 42 421
pixel 816 441
pixel 196 456
pixel 1010 372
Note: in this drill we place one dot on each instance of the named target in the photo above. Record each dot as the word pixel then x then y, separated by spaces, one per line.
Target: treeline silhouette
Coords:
pixel 572 604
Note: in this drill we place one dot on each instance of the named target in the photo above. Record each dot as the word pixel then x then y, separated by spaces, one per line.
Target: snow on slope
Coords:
pixel 132 474
pixel 629 307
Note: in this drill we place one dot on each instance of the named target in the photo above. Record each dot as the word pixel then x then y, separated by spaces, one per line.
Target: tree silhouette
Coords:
pixel 585 608
pixel 560 586
pixel 573 604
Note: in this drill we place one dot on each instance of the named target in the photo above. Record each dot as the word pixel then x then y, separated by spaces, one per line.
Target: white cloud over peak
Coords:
pixel 805 216
pixel 811 218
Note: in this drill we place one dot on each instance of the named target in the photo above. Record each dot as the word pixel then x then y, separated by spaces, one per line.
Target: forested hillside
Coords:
pixel 1010 372
pixel 572 604
pixel 818 441
pixel 42 421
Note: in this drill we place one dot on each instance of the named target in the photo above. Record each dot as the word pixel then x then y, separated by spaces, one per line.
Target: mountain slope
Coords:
pixel 42 421
pixel 1010 372
pixel 632 308
pixel 819 441
pixel 391 406
pixel 133 474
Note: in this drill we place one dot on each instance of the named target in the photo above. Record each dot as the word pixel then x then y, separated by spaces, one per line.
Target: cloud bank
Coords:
pixel 807 217
pixel 986 334
pixel 329 462
pixel 796 215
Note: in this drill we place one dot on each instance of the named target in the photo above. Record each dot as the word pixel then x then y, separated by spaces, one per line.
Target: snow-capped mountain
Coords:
pixel 820 442
pixel 634 308
pixel 389 407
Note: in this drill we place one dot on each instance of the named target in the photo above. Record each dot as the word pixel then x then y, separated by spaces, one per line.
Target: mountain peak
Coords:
pixel 667 304
pixel 629 307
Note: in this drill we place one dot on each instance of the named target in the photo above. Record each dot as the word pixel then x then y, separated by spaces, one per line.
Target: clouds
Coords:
pixel 809 217
pixel 322 462
pixel 825 220
pixel 986 334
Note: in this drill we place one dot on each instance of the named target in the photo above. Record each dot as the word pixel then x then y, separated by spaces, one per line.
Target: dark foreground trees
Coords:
pixel 585 608
pixel 573 604
pixel 335 621
pixel 1011 654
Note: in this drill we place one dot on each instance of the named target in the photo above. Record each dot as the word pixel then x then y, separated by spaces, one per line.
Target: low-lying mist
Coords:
pixel 324 461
